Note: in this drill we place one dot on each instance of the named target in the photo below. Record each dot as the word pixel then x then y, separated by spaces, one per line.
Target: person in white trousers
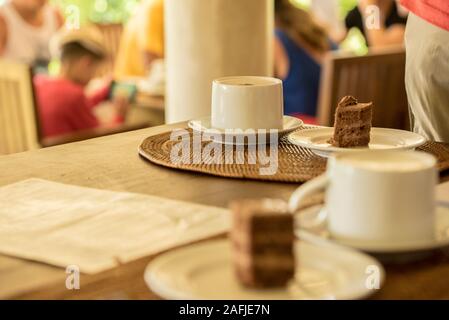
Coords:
pixel 427 67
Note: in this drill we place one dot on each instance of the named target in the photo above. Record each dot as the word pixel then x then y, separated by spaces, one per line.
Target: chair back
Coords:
pixel 377 77
pixel 18 121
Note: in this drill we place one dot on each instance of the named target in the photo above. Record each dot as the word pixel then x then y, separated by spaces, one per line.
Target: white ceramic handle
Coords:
pixel 306 190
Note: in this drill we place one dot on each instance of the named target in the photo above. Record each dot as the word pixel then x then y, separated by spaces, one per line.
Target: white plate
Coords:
pixel 381 138
pixel 204 126
pixel 204 271
pixel 441 239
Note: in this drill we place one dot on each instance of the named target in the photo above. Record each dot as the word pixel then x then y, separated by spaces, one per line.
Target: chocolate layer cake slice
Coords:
pixel 352 123
pixel 262 240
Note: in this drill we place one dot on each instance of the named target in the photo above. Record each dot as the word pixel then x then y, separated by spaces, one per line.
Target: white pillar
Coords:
pixel 208 39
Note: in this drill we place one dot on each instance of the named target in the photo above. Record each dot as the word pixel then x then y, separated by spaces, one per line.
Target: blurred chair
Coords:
pixel 378 77
pixel 112 34
pixel 18 125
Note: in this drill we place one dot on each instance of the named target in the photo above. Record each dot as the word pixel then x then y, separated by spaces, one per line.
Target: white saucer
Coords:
pixel 381 138
pixel 441 239
pixel 204 126
pixel 204 271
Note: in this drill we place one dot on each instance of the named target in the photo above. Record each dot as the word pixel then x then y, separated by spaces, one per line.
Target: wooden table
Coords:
pixel 148 107
pixel 149 101
pixel 112 163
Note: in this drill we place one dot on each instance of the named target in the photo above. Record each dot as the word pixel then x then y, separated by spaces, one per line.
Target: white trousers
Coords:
pixel 427 78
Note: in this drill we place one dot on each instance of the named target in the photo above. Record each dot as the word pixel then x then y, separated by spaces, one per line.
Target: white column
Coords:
pixel 208 39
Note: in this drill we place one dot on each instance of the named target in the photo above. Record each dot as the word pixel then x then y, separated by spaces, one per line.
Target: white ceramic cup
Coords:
pixel 377 197
pixel 247 103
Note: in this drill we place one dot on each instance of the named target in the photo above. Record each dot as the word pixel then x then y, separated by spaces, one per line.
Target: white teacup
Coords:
pixel 247 103
pixel 377 197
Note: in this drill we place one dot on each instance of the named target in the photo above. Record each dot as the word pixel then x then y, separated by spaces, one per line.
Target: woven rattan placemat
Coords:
pixel 294 164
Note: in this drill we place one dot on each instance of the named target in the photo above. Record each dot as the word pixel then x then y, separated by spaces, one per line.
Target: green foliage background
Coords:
pixel 116 11
pixel 104 11
pixel 108 11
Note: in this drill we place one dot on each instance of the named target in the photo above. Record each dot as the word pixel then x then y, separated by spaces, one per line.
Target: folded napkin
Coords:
pixel 94 229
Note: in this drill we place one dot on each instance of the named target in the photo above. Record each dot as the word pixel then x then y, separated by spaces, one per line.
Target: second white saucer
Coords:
pixel 205 271
pixel 317 140
pixel 441 239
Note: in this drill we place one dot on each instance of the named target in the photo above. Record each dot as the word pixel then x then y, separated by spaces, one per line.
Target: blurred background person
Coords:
pixel 392 20
pixel 300 46
pixel 328 13
pixel 26 27
pixel 142 41
pixel 63 105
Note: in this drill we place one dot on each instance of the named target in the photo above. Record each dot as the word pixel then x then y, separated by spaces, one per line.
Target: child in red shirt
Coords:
pixel 62 103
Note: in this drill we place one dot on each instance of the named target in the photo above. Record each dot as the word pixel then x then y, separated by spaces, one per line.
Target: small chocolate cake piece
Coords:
pixel 352 123
pixel 262 243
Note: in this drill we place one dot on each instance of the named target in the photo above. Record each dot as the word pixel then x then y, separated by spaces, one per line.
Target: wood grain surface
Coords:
pixel 112 163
